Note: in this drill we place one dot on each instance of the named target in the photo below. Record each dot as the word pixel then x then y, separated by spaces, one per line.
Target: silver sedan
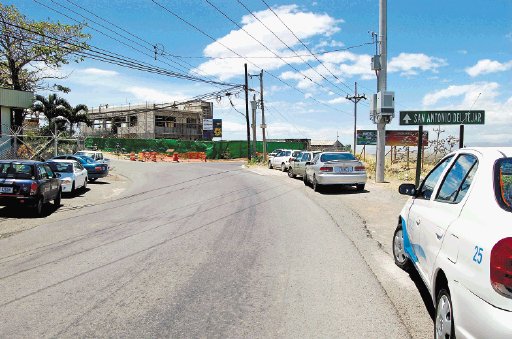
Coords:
pixel 335 168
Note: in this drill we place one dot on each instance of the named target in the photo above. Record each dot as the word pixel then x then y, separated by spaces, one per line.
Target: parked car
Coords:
pixel 96 155
pixel 282 159
pixel 94 169
pixel 273 153
pixel 28 183
pixel 455 231
pixel 298 166
pixel 335 168
pixel 71 173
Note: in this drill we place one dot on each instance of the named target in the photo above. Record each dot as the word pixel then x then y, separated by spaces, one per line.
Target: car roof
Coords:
pixel 20 161
pixel 63 160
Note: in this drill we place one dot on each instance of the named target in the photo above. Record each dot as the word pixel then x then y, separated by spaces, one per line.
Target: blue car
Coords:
pixel 28 183
pixel 94 169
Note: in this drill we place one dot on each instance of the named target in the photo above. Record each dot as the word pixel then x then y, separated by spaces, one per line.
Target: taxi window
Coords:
pixel 457 181
pixel 427 187
pixel 503 183
pixel 306 157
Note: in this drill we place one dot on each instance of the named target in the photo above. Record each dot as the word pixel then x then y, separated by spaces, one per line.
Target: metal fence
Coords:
pixel 37 147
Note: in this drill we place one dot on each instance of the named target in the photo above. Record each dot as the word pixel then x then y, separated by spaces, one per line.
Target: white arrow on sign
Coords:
pixel 407 118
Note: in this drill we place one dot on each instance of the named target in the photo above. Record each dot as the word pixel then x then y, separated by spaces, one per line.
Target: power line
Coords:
pixel 234 52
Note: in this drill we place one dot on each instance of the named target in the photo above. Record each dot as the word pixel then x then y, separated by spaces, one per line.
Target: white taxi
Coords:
pixel 456 230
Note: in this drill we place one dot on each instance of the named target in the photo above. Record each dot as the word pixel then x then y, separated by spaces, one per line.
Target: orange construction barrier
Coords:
pixel 175 157
pixel 153 156
pixel 132 156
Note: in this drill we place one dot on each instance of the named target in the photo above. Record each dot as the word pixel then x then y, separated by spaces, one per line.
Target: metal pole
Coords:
pixel 382 81
pixel 461 136
pixel 263 125
pixel 247 114
pixel 418 160
pixel 55 142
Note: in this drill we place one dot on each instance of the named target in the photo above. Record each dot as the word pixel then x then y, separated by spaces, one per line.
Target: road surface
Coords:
pixel 193 250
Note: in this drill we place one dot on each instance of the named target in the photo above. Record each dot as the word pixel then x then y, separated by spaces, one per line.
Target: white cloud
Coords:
pixel 98 72
pixel 410 63
pixel 487 66
pixel 153 95
pixel 239 41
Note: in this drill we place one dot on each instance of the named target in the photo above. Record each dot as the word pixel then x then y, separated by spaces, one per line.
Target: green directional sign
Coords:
pixel 442 117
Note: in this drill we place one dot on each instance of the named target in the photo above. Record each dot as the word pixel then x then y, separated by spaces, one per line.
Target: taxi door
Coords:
pixel 420 212
pixel 446 207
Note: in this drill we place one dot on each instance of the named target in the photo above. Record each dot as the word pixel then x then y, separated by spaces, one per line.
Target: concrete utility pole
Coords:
pixel 263 125
pixel 355 99
pixel 254 106
pixel 381 87
pixel 247 114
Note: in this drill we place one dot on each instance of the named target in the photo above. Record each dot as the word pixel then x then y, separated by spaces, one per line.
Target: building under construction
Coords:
pixel 182 121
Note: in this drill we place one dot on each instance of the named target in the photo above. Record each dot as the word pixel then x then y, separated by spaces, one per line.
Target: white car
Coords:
pixel 96 155
pixel 456 230
pixel 71 173
pixel 335 168
pixel 282 159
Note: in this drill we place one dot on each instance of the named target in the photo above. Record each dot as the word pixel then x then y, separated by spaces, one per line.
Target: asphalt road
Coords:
pixel 194 250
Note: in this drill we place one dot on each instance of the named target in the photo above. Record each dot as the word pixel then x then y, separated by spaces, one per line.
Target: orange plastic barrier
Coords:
pixel 132 156
pixel 175 157
pixel 153 156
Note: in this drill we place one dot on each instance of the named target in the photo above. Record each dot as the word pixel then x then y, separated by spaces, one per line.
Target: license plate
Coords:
pixel 343 169
pixel 5 189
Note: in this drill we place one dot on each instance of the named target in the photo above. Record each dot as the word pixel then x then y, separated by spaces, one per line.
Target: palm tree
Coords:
pixel 54 106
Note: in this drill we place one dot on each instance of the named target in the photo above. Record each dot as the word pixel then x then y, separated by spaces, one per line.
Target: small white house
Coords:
pixel 10 99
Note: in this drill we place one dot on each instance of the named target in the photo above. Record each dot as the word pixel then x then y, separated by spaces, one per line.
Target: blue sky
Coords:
pixel 441 55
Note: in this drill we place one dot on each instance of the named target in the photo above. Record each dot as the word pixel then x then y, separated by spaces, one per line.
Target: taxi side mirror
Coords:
pixel 407 189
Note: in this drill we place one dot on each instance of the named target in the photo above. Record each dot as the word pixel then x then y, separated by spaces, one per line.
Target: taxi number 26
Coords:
pixel 478 254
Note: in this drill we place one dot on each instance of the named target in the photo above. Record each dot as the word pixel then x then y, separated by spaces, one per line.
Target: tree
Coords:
pixel 28 49
pixel 54 106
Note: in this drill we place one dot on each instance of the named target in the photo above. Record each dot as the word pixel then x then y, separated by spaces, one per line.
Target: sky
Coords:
pixel 441 55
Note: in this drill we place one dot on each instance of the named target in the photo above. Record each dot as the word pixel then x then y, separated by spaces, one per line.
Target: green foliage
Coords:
pixel 54 106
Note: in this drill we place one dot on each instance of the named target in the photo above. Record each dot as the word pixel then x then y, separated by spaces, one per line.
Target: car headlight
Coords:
pixel 66 181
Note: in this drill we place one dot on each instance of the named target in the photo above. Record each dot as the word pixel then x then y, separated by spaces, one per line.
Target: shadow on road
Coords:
pixel 424 293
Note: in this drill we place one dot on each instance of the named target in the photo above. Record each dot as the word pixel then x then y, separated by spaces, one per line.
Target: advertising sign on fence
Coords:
pixel 207 124
pixel 217 128
pixel 393 138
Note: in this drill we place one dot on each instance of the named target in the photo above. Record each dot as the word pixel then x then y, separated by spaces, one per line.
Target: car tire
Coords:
pixel 73 189
pixel 283 167
pixel 316 185
pixel 444 324
pixel 290 173
pixel 401 258
pixel 360 187
pixel 269 164
pixel 305 179
pixel 39 208
pixel 58 199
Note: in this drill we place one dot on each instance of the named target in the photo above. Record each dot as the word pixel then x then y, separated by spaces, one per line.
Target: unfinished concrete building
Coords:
pixel 182 121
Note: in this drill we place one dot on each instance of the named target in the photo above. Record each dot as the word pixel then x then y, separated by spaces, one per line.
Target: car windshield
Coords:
pixel 61 167
pixel 503 183
pixel 296 154
pixel 87 159
pixel 16 171
pixel 89 154
pixel 336 157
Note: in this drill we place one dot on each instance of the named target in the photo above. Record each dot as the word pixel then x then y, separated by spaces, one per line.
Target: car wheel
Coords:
pixel 290 173
pixel 283 167
pixel 92 179
pixel 269 164
pixel 73 188
pixel 57 199
pixel 305 179
pixel 360 187
pixel 401 258
pixel 316 185
pixel 444 326
pixel 39 208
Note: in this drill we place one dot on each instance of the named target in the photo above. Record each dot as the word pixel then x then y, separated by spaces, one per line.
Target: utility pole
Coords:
pixel 382 84
pixel 247 114
pixel 263 125
pixel 355 99
pixel 254 106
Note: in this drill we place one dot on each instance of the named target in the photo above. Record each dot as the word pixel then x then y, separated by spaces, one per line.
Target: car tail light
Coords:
pixel 360 168
pixel 501 267
pixel 33 188
pixel 326 169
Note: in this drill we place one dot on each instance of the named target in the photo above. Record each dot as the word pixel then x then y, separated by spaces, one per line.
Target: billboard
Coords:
pixel 393 138
pixel 217 128
pixel 207 124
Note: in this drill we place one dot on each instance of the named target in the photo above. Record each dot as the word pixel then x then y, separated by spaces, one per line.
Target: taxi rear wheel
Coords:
pixel 401 258
pixel 290 173
pixel 444 327
pixel 305 179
